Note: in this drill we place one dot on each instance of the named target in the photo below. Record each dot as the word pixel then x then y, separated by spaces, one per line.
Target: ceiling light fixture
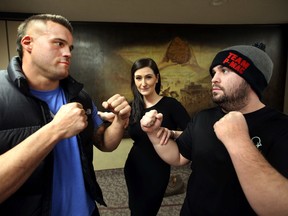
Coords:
pixel 216 3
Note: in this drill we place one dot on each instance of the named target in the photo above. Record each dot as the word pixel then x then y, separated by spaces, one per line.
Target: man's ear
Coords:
pixel 27 43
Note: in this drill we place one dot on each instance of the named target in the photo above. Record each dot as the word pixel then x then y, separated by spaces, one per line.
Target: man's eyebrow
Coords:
pixel 71 47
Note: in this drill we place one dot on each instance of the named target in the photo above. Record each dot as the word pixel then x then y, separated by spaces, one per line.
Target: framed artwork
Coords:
pixel 105 52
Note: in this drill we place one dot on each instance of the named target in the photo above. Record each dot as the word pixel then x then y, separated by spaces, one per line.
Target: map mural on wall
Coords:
pixel 104 55
pixel 182 77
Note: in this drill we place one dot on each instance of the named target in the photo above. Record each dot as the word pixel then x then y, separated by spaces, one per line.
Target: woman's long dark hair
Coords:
pixel 138 104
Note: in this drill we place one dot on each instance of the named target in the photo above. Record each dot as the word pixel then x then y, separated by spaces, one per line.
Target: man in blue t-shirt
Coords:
pixel 48 126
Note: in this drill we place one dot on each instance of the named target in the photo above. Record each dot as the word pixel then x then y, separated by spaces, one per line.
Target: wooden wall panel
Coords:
pixel 12 36
pixel 8 35
pixel 4 58
pixel 286 91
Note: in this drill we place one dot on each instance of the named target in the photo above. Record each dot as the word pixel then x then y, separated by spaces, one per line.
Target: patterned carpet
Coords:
pixel 114 190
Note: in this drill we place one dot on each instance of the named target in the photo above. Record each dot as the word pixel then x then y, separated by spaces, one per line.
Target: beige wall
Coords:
pixel 115 159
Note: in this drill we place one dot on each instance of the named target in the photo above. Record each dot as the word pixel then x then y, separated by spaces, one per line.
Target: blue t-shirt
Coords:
pixel 69 196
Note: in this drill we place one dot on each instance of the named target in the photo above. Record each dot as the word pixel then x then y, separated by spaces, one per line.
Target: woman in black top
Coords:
pixel 146 174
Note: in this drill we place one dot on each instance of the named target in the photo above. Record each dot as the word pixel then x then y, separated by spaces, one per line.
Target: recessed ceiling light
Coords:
pixel 218 2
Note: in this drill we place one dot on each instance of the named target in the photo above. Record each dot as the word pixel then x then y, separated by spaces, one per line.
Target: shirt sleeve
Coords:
pixel 96 118
pixel 184 142
pixel 181 116
pixel 278 154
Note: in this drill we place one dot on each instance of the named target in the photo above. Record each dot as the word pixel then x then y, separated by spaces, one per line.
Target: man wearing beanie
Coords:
pixel 238 149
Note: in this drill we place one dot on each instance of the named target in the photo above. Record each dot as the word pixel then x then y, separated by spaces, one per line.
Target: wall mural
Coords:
pixel 182 76
pixel 104 54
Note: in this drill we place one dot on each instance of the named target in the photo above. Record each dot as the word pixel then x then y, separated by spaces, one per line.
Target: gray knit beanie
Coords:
pixel 250 62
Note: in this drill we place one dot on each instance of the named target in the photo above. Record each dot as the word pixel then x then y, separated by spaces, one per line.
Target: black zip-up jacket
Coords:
pixel 21 114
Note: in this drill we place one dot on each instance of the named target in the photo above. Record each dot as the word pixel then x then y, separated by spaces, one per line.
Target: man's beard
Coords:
pixel 235 99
